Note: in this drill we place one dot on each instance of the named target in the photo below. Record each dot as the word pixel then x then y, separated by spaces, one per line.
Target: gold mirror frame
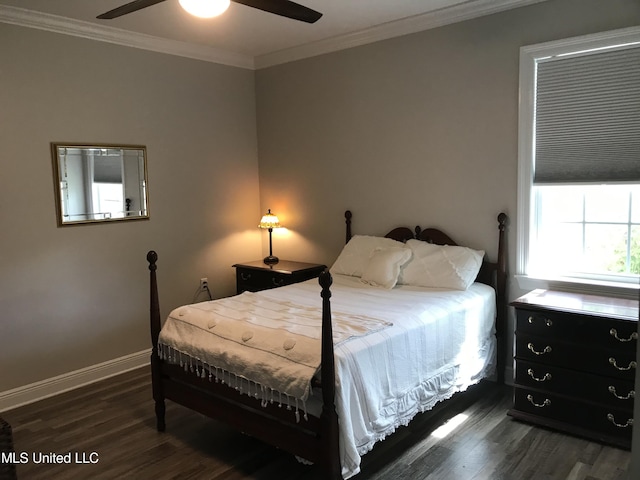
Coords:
pixel 97 183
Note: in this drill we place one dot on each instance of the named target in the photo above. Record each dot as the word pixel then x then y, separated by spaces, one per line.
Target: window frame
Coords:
pixel 529 55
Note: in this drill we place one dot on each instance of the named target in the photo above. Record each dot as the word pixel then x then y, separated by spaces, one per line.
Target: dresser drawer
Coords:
pixel 550 351
pixel 607 391
pixel 620 335
pixel 595 420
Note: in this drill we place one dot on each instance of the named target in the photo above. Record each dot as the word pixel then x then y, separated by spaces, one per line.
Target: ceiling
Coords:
pixel 245 36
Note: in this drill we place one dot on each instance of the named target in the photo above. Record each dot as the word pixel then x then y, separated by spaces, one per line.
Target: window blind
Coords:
pixel 588 118
pixel 107 169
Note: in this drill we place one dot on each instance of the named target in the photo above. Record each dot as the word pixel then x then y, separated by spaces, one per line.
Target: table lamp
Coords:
pixel 270 221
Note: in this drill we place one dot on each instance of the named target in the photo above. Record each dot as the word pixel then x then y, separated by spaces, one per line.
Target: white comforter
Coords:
pixel 271 343
pixel 440 342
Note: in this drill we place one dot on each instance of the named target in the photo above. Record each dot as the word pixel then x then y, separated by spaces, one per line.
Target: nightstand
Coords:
pixel 575 364
pixel 256 275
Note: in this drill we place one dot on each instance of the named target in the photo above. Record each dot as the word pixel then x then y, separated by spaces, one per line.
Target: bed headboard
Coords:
pixel 490 272
pixel 493 274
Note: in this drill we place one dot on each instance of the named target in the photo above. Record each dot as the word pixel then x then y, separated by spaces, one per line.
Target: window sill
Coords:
pixel 594 287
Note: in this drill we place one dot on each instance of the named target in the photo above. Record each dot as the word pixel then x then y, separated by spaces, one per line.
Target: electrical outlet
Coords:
pixel 204 284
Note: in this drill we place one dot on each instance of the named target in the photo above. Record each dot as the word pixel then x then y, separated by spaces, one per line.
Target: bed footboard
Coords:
pixel 315 440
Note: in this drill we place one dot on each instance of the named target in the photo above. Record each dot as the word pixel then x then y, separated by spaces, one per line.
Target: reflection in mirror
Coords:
pixel 100 183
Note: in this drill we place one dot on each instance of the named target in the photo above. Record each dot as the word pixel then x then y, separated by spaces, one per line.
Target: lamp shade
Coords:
pixel 205 8
pixel 269 220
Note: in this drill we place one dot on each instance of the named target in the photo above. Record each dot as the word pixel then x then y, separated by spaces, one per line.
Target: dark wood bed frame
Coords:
pixel 315 440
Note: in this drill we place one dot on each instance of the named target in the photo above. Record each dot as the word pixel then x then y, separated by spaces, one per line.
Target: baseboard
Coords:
pixel 63 383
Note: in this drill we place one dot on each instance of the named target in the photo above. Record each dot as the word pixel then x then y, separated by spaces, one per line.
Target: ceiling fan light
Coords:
pixel 205 8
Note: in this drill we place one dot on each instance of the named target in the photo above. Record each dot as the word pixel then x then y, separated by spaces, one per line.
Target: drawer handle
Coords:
pixel 613 362
pixel 614 333
pixel 630 395
pixel 277 282
pixel 546 349
pixel 245 276
pixel 547 321
pixel 612 419
pixel 547 376
pixel 546 402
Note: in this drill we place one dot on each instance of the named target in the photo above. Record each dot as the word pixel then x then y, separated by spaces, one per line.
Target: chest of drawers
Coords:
pixel 575 363
pixel 255 276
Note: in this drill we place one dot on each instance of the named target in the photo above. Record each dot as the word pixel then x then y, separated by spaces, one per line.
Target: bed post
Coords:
pixel 329 417
pixel 347 220
pixel 501 299
pixel 154 317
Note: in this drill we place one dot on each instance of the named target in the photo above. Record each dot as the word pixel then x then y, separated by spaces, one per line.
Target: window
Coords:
pixel 589 231
pixel 108 200
pixel 579 160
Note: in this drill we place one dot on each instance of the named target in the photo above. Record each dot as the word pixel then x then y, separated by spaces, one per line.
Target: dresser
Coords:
pixel 575 364
pixel 256 275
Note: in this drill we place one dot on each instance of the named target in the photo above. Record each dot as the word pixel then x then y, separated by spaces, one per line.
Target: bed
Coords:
pixel 327 379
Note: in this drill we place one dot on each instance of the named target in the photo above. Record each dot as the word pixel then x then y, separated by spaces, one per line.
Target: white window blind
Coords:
pixel 587 118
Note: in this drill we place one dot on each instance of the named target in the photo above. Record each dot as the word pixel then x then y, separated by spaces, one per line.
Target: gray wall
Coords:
pixel 417 129
pixel 77 296
pixel 420 129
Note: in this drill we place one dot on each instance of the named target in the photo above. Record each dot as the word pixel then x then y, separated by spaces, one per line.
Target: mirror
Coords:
pixel 100 183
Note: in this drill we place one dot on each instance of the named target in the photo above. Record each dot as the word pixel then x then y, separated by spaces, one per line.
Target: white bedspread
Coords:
pixel 440 342
pixel 272 342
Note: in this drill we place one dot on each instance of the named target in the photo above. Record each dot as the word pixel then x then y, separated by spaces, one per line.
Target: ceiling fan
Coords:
pixel 284 8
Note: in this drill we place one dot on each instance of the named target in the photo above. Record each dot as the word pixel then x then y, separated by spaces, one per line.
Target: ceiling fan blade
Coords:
pixel 128 8
pixel 284 8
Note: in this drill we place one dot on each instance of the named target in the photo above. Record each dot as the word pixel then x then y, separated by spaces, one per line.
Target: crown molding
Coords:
pixel 446 16
pixel 101 33
pixel 67 26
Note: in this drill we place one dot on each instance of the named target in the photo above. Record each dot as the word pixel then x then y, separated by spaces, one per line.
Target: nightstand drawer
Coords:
pixel 606 333
pixel 254 280
pixel 256 276
pixel 611 392
pixel 608 424
pixel 549 351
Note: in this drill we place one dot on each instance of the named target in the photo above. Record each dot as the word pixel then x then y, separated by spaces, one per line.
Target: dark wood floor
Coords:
pixel 115 419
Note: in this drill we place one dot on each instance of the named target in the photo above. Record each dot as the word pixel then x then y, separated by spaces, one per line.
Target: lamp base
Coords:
pixel 271 260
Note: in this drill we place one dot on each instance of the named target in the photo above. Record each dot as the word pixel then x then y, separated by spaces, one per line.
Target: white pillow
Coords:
pixel 441 266
pixel 384 266
pixel 355 255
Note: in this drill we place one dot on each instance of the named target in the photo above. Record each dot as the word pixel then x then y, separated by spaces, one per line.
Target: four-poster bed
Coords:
pixel 318 437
